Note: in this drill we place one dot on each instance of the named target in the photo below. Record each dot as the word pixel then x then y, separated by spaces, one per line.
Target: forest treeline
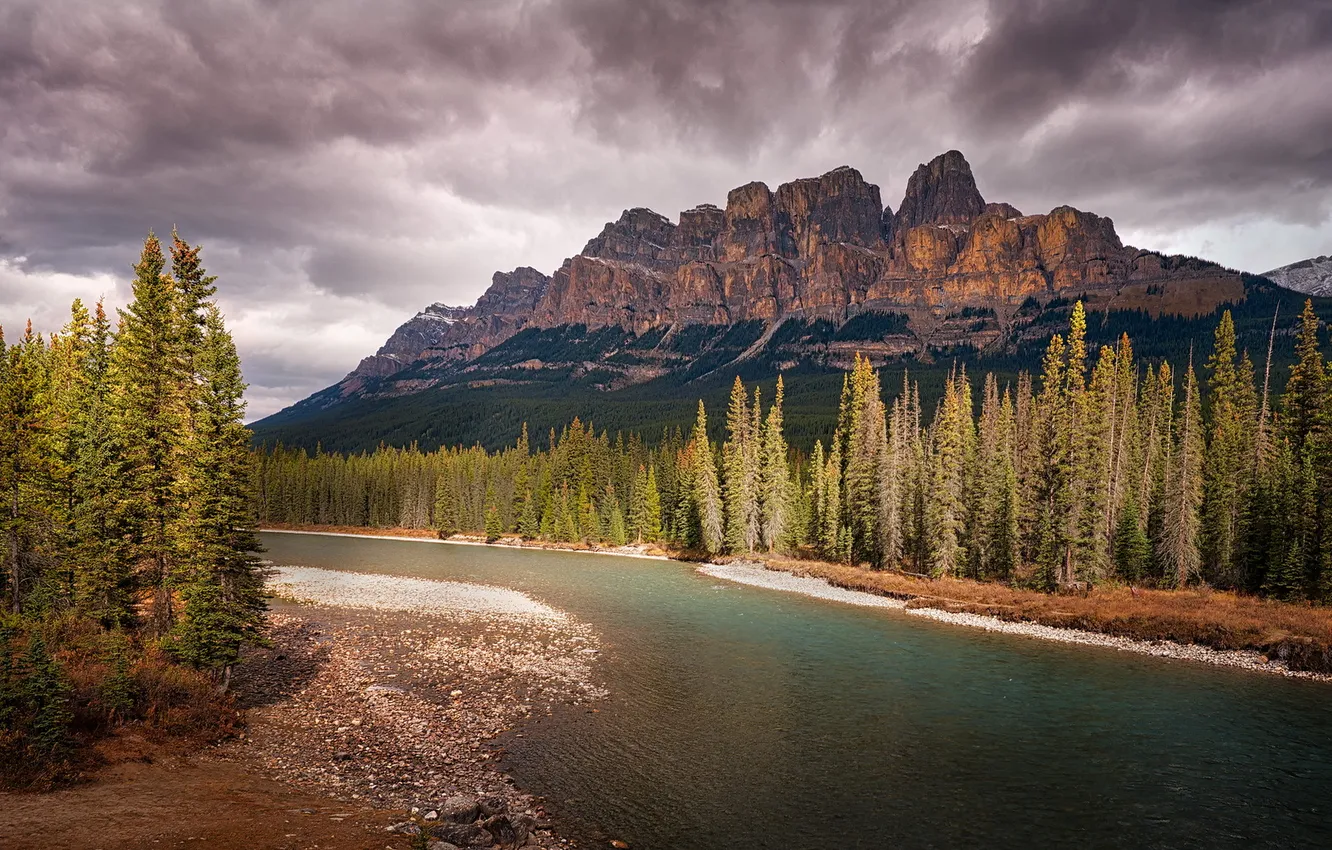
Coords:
pixel 125 512
pixel 1101 468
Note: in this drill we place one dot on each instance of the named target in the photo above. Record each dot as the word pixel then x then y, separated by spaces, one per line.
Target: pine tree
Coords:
pixel 706 490
pixel 1229 454
pixel 739 479
pixel 214 538
pixel 652 513
pixel 774 478
pixel 148 377
pixel 1184 494
pixel 1132 549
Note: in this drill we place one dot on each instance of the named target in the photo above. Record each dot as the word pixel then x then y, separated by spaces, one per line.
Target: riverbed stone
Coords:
pixel 491 806
pixel 462 834
pixel 460 808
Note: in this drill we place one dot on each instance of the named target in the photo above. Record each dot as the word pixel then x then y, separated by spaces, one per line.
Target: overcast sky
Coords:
pixel 346 164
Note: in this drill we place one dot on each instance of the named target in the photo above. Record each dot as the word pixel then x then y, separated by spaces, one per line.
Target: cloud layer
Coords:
pixel 345 164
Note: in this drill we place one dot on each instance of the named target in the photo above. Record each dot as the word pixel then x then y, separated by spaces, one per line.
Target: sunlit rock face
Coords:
pixel 821 247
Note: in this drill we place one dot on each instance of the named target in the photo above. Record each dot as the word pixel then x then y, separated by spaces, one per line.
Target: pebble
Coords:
pixel 323 718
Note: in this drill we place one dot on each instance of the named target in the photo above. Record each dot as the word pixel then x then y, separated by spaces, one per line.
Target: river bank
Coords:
pixel 1196 625
pixel 404 688
pixel 378 709
pixel 761 575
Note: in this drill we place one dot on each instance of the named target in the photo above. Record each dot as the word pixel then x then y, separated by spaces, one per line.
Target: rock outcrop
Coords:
pixel 816 248
pixel 1312 276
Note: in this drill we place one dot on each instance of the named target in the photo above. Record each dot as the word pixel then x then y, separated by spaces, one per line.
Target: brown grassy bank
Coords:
pixel 1298 635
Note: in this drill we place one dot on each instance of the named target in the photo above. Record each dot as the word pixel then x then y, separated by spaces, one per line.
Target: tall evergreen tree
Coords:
pixel 1184 493
pixel 149 408
pixel 774 476
pixel 215 540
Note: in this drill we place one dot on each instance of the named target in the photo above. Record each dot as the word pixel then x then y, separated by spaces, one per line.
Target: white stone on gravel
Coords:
pixel 760 576
pixel 397 593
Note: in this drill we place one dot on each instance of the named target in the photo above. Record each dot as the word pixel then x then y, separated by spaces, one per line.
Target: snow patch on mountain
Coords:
pixel 1312 276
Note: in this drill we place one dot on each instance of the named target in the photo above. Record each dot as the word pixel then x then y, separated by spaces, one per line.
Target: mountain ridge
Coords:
pixel 947 269
pixel 1311 277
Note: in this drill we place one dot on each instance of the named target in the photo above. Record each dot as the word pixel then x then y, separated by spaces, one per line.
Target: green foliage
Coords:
pixel 44 696
pixel 1096 470
pixel 126 476
pixel 1132 548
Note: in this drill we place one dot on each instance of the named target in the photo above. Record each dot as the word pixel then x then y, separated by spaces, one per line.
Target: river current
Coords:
pixel 741 717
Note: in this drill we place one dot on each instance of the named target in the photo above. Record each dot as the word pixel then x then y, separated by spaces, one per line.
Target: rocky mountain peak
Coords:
pixel 640 235
pixel 817 247
pixel 942 191
pixel 1311 277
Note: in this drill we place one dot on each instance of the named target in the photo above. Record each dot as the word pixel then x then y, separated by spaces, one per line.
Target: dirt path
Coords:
pixel 195 802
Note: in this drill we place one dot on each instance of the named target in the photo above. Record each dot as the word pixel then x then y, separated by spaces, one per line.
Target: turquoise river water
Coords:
pixel 747 718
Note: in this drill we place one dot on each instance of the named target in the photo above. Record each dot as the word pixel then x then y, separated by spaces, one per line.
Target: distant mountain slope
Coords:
pixel 799 277
pixel 492 408
pixel 1312 276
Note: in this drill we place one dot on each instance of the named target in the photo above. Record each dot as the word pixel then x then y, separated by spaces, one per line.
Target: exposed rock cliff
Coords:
pixel 1312 276
pixel 816 248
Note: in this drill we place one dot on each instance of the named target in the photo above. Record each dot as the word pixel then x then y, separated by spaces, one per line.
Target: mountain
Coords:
pixel 794 280
pixel 1312 276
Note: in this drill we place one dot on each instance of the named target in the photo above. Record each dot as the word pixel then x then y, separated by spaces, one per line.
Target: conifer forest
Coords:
pixel 130 580
pixel 1101 469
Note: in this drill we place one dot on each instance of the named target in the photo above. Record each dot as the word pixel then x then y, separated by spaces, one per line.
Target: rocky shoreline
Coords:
pixel 392 692
pixel 761 575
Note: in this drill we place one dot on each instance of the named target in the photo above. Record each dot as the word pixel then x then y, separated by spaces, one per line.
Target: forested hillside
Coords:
pixel 129 552
pixel 491 412
pixel 1101 468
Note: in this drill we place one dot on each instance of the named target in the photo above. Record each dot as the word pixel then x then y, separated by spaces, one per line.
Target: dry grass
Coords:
pixel 169 705
pixel 1300 635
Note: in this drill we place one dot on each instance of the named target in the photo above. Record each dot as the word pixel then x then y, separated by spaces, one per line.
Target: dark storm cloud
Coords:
pixel 345 163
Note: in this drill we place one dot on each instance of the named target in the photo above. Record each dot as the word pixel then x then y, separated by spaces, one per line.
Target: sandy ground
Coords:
pixel 758 575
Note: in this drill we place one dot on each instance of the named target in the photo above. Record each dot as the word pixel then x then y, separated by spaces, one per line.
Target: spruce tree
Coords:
pixel 149 409
pixel 866 465
pixel 739 482
pixel 45 692
pixel 26 467
pixel 1228 456
pixel 706 496
pixel 774 476
pixel 214 536
pixel 1132 549
pixel 1306 390
pixel 1184 493
pixel 652 530
pixel 947 480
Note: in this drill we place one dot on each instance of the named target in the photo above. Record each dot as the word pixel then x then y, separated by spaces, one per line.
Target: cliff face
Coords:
pixel 816 248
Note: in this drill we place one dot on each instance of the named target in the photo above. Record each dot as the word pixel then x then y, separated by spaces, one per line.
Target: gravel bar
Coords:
pixel 395 593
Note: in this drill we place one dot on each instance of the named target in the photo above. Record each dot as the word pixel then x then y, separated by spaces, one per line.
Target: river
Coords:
pixel 748 718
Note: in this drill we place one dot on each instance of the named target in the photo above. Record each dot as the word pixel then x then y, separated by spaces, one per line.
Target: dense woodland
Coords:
pixel 129 551
pixel 1099 469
